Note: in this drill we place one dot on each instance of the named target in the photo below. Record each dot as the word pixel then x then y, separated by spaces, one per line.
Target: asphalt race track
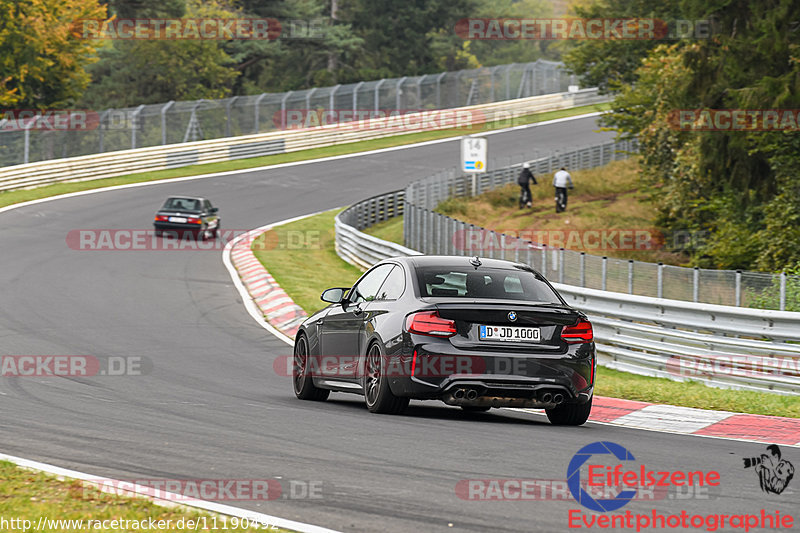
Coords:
pixel 211 406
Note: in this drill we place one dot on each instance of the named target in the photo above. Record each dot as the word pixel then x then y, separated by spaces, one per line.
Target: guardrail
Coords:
pixel 125 162
pixel 722 346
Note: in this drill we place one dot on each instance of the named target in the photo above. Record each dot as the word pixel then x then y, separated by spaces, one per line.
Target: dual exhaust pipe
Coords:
pixel 548 397
pixel 465 394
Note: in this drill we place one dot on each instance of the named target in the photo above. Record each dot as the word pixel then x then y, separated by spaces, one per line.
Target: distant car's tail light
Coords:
pixel 430 323
pixel 194 220
pixel 580 332
pixel 162 218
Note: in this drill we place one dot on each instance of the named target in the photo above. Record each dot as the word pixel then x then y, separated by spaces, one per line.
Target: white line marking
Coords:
pixel 171 500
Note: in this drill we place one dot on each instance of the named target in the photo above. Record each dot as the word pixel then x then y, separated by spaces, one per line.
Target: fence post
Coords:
pixel 331 99
pixel 738 288
pixel 783 291
pixel 529 254
pixel 583 269
pixel 164 121
pixel 604 273
pixel 228 104
pixel 134 118
pixel 257 110
pixel 544 260
pixel 26 152
pixel 696 284
pixel 561 265
pixel 355 97
pixel 378 94
pixel 660 282
pixel 398 91
pixel 439 90
pixel 630 276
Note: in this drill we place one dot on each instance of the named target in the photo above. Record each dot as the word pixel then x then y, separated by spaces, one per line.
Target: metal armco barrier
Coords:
pixel 112 164
pixel 722 346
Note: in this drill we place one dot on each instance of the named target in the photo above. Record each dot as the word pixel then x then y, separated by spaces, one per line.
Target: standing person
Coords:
pixel 562 180
pixel 525 177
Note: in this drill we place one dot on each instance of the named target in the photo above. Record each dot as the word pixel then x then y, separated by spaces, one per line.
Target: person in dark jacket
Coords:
pixel 525 177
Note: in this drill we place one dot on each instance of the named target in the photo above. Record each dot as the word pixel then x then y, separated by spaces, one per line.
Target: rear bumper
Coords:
pixel 173 226
pixel 539 379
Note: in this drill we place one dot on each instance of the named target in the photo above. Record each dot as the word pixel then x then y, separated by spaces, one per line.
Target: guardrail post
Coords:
pixel 583 269
pixel 695 284
pixel 738 288
pixel 660 281
pixel 529 255
pixel 783 291
pixel 604 273
pixel 561 265
pixel 630 276
pixel 164 120
pixel 517 243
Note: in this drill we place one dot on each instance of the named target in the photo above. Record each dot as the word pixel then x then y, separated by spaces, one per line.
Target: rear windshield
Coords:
pixel 495 283
pixel 186 204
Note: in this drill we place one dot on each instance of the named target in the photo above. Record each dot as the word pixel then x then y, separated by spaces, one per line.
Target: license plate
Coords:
pixel 177 219
pixel 509 334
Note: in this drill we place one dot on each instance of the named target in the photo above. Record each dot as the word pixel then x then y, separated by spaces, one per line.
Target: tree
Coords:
pixel 741 186
pixel 134 72
pixel 42 62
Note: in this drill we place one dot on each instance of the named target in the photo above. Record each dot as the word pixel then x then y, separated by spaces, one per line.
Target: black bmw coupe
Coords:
pixel 472 332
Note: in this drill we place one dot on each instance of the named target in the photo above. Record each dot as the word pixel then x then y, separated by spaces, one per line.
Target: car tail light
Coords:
pixel 580 332
pixel 430 323
pixel 194 220
pixel 161 218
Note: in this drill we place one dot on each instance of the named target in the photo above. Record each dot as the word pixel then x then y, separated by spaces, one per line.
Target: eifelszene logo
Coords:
pixel 774 473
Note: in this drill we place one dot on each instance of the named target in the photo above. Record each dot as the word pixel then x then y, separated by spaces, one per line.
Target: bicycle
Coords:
pixel 524 198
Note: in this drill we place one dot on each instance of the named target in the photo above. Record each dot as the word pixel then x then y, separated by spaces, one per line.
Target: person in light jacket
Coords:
pixel 561 181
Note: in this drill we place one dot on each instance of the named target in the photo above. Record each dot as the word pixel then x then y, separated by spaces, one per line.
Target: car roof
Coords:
pixel 186 197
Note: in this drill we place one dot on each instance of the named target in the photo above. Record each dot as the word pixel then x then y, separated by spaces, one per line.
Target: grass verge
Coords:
pixel 13 197
pixel 606 201
pixel 305 273
pixel 26 495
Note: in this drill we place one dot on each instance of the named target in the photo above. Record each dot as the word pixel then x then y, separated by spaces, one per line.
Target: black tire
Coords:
pixel 302 381
pixel 570 414
pixel 475 408
pixel 157 233
pixel 377 395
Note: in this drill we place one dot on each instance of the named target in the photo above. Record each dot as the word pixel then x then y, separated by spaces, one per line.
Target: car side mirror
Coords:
pixel 333 296
pixel 214 210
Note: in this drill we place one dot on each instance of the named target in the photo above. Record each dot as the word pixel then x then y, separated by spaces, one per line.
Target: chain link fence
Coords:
pixel 434 233
pixel 37 138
